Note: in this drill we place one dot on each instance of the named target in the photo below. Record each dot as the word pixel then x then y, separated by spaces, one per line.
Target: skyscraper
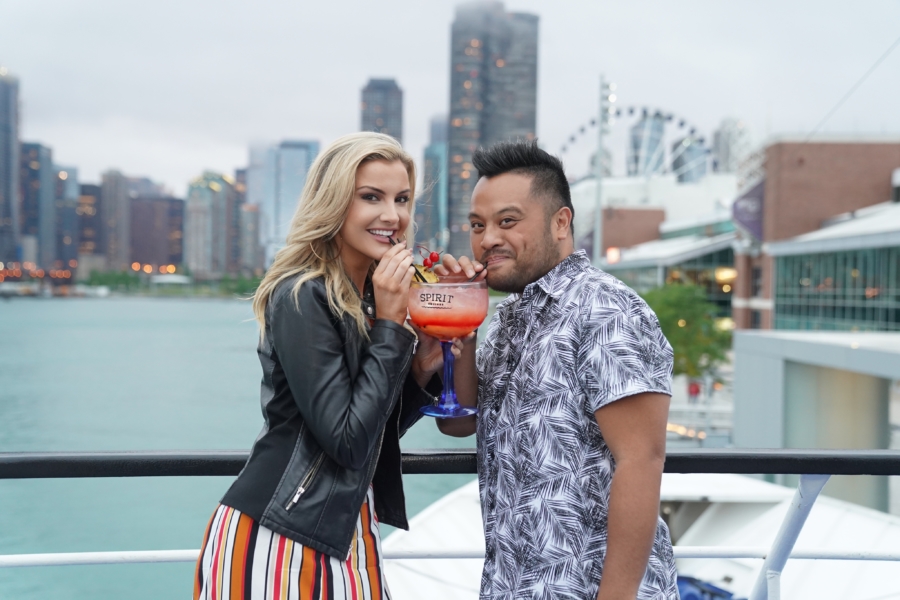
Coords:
pixel 38 216
pixel 431 204
pixel 235 230
pixel 493 96
pixel 382 108
pixel 208 236
pixel 251 254
pixel 292 162
pixel 66 197
pixel 115 207
pixel 156 230
pixel 10 221
pixel 145 187
pixel 731 143
pixel 275 179
pixel 646 153
pixel 261 186
pixel 176 231
pixel 91 246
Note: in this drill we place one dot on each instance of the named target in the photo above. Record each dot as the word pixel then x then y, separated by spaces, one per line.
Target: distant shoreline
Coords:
pixel 123 295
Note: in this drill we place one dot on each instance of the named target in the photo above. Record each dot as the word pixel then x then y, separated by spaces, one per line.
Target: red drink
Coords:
pixel 446 325
pixel 450 309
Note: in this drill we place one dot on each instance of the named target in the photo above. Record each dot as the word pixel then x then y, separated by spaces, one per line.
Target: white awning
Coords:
pixel 873 227
pixel 664 253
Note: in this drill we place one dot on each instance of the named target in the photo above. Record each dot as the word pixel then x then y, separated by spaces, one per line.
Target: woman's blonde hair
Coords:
pixel 311 249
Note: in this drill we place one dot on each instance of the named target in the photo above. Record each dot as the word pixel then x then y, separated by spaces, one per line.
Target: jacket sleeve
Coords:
pixel 415 398
pixel 346 417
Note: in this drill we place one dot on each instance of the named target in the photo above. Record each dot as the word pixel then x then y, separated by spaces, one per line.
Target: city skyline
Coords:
pixel 786 84
pixel 493 72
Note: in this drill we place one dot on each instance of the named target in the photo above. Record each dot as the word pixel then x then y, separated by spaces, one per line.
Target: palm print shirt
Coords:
pixel 574 341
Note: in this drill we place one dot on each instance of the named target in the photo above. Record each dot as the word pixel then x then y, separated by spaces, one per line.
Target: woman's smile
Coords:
pixel 383 235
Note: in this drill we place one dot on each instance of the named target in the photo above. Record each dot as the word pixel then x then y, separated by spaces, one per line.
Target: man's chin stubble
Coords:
pixel 506 285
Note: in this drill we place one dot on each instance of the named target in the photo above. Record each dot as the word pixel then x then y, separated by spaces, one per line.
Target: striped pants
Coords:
pixel 242 560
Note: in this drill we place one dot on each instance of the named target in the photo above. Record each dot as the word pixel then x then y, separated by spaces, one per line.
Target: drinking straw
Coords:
pixel 418 276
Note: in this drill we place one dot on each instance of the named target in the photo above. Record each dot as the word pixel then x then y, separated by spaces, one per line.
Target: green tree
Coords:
pixel 239 285
pixel 689 322
pixel 115 279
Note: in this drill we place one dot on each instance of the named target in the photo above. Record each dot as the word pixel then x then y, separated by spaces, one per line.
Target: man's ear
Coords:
pixel 562 223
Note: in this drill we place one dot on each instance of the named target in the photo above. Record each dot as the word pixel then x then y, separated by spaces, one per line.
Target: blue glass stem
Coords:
pixel 448 396
pixel 447 407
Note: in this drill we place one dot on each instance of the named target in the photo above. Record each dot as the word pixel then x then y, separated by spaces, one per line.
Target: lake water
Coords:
pixel 132 374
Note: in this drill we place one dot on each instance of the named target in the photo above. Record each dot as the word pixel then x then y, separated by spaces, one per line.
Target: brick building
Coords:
pixel 793 188
pixel 626 227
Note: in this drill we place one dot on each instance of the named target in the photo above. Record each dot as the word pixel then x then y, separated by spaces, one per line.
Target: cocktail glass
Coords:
pixel 452 308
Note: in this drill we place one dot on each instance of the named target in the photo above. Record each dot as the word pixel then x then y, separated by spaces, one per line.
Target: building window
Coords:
pixel 854 290
pixel 755 319
pixel 756 282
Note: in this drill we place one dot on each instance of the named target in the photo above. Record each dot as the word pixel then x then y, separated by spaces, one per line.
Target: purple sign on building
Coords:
pixel 747 210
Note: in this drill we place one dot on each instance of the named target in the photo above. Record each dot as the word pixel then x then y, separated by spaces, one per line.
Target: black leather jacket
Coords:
pixel 332 421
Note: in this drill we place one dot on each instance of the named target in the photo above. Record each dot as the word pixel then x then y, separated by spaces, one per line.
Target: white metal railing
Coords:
pixel 768 582
pixel 767 586
pixel 173 556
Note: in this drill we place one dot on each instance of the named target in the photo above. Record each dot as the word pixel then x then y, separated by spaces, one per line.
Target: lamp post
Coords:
pixel 607 97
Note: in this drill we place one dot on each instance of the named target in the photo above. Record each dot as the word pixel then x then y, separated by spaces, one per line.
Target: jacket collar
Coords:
pixel 367 298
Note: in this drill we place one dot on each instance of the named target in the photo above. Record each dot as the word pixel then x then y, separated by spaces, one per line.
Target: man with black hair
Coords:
pixel 572 384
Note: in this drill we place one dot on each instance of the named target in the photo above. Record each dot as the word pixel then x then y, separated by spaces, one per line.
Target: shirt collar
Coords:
pixel 557 280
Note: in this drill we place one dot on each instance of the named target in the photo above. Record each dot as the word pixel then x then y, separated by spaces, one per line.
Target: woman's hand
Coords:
pixel 429 358
pixel 391 283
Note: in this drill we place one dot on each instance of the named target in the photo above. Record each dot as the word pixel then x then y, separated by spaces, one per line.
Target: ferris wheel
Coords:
pixel 657 142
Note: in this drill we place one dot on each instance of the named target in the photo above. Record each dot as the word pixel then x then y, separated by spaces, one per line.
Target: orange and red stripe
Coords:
pixel 241 560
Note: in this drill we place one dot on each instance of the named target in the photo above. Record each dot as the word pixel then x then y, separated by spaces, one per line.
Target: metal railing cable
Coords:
pixel 59 559
pixel 52 465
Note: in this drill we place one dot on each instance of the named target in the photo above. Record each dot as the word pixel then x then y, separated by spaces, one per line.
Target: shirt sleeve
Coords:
pixel 622 350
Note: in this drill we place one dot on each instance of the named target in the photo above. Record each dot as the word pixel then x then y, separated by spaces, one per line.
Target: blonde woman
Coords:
pixel 343 379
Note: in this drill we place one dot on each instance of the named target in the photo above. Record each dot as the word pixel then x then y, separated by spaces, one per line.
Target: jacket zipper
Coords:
pixel 400 399
pixel 377 456
pixel 306 481
pixel 301 489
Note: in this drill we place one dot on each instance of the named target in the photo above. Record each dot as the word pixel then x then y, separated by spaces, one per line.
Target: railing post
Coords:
pixel 768 583
pixel 773 585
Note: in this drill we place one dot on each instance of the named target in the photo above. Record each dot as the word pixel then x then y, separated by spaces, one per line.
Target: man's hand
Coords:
pixel 462 266
pixel 465 374
pixel 634 429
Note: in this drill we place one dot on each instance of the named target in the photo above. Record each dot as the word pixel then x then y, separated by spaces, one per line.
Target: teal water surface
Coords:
pixel 131 374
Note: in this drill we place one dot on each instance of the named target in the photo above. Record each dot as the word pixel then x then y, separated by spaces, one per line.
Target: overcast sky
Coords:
pixel 168 88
